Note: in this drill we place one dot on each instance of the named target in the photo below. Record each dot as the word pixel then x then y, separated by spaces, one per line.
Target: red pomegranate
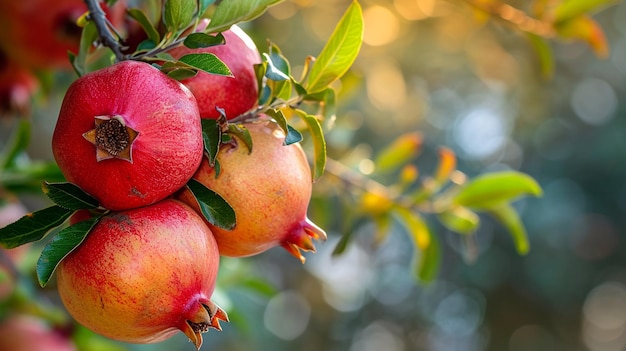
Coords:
pixel 235 95
pixel 128 135
pixel 269 189
pixel 39 33
pixel 144 274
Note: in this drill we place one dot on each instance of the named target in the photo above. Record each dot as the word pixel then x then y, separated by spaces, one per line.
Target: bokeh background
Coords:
pixel 475 86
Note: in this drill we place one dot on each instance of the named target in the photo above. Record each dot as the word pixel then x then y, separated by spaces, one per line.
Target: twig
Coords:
pixel 105 36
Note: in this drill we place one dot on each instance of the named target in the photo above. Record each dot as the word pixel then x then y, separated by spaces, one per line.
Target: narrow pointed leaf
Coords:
pixel 574 8
pixel 178 14
pixel 544 53
pixel 202 40
pixel 214 208
pixel 508 217
pixel 87 38
pixel 460 219
pixel 60 246
pixel 494 189
pixel 242 133
pixel 208 63
pixel 291 134
pixel 319 143
pixel 339 52
pixel 426 264
pixel 415 225
pixel 402 150
pixel 212 138
pixel 147 26
pixel 69 196
pixel 274 70
pixel 33 226
pixel 230 12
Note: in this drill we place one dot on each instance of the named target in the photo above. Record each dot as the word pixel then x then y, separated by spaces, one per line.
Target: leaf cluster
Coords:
pixel 447 196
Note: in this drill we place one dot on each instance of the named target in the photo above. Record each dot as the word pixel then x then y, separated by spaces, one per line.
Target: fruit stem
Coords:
pixel 105 37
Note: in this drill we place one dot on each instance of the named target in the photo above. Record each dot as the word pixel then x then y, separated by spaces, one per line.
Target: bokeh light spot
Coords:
pixel 287 315
pixel 381 26
pixel 594 101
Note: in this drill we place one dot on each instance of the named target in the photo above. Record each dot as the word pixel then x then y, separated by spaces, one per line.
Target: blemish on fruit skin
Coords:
pixel 135 192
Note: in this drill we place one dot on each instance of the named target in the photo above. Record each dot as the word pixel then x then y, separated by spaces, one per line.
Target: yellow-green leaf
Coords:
pixel 507 215
pixel 495 189
pixel 460 219
pixel 569 9
pixel 340 50
pixel 402 150
pixel 319 143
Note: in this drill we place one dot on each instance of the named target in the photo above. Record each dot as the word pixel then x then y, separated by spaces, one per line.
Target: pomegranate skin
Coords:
pixel 165 153
pixel 236 95
pixel 269 189
pixel 142 275
pixel 39 33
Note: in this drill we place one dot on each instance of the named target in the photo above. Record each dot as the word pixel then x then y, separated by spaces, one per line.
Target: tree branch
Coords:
pixel 105 36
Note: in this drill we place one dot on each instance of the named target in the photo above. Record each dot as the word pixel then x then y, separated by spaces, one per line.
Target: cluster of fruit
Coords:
pixel 132 138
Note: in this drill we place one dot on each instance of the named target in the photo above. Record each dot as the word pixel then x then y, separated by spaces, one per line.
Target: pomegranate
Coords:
pixel 128 135
pixel 269 189
pixel 22 332
pixel 17 85
pixel 143 274
pixel 39 33
pixel 235 95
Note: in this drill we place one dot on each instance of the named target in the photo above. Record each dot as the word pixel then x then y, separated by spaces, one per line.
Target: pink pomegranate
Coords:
pixel 236 95
pixel 144 274
pixel 269 189
pixel 128 135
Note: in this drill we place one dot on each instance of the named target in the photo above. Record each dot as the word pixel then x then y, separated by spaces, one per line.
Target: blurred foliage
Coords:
pixel 447 102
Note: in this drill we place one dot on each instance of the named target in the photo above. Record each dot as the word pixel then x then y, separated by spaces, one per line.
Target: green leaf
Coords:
pixel 507 215
pixel 204 5
pixel 202 40
pixel 494 189
pixel 319 143
pixel 339 52
pixel 460 219
pixel 242 133
pixel 143 20
pixel 427 254
pixel 212 138
pixel 544 53
pixel 213 207
pixel 69 196
pixel 60 246
pixel 415 225
pixel 33 226
pixel 426 264
pixel 402 150
pixel 208 63
pixel 181 73
pixel 178 14
pixel 292 135
pixel 574 8
pixel 20 138
pixel 88 36
pixel 230 12
pixel 275 68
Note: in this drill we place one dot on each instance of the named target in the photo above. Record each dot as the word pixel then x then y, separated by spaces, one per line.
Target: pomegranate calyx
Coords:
pixel 112 138
pixel 302 239
pixel 207 317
